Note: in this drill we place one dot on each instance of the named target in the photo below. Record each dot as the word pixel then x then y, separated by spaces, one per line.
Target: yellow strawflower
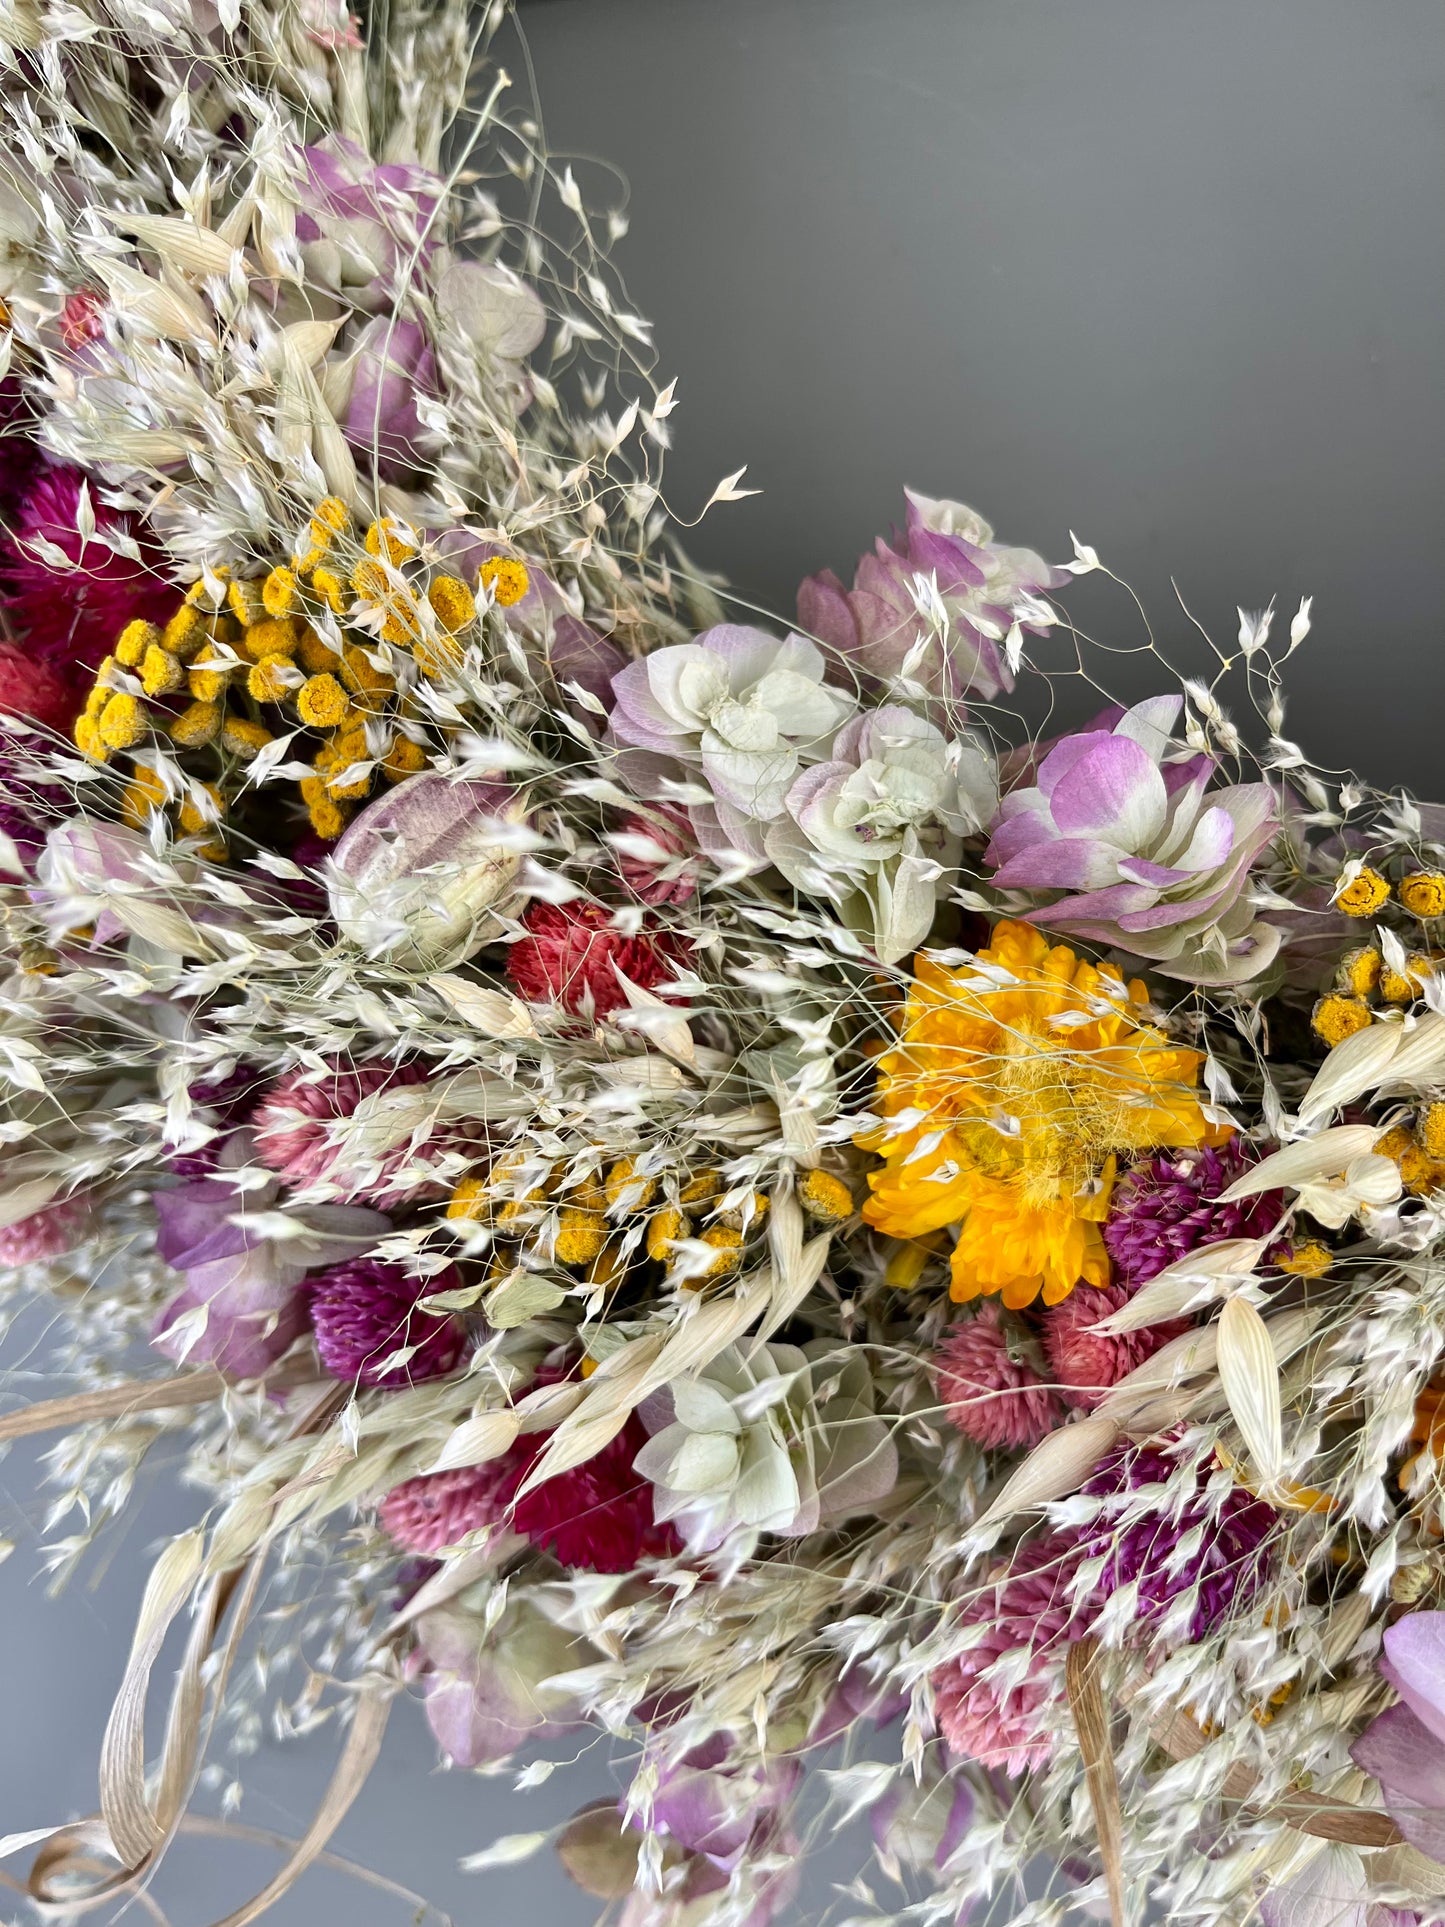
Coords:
pixel 1013 1101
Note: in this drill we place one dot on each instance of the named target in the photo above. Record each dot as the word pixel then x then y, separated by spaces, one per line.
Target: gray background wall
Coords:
pixel 1167 272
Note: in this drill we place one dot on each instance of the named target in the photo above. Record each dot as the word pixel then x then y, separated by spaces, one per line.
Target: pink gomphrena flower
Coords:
pixel 989 1389
pixel 666 872
pixel 293 1139
pixel 82 317
pixel 48 1233
pixel 597 1517
pixel 1084 1362
pixel 989 1700
pixel 424 1515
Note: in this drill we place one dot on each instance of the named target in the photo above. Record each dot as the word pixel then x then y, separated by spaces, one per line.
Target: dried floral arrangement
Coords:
pixel 709 1181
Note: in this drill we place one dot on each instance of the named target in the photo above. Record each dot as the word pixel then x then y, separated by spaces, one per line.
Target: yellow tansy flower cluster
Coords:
pixel 1365 983
pixel 1421 893
pixel 604 1224
pixel 1009 1095
pixel 240 648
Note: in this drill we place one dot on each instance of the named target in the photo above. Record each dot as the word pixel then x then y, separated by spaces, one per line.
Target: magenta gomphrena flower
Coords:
pixel 989 1389
pixel 69 618
pixel 1212 1544
pixel 365 1311
pixel 596 1518
pixel 1166 1208
pixel 988 1703
pixel 293 1137
pixel 45 1234
pixel 1084 1362
pixel 441 1508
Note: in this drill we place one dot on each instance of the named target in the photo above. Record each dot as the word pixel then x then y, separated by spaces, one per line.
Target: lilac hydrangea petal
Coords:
pixel 947 557
pixel 1064 863
pixel 638 717
pixel 1114 901
pixel 1114 792
pixel 1408 1760
pixel 1150 724
pixel 1414 1664
pixel 1064 754
pixel 748 653
pixel 254 1314
pixel 824 612
pixel 1163 916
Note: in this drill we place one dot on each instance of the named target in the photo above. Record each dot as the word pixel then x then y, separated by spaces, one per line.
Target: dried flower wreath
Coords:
pixel 709 1180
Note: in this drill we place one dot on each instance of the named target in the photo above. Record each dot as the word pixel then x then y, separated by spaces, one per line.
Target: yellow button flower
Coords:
pixel 1423 893
pixel 506 578
pixel 1364 894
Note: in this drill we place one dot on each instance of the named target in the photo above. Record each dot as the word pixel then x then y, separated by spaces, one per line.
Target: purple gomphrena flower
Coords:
pixel 228 1101
pixel 364 1312
pixel 21 825
pixel 1144 1546
pixel 68 619
pixel 1166 1208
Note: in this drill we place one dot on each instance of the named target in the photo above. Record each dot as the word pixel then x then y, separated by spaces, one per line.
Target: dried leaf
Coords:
pixel 132 1824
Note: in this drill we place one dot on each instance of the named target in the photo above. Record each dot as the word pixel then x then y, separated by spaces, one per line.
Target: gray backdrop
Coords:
pixel 1166 272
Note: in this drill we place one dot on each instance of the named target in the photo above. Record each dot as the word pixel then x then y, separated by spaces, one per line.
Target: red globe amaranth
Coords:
pixel 365 1311
pixel 34 688
pixel 989 1390
pixel 573 951
pixel 595 1518
pixel 68 619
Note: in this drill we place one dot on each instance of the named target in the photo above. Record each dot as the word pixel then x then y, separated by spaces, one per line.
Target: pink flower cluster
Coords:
pixel 596 1518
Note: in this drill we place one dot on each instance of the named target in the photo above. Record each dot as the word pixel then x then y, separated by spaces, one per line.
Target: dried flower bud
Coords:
pixel 416 875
